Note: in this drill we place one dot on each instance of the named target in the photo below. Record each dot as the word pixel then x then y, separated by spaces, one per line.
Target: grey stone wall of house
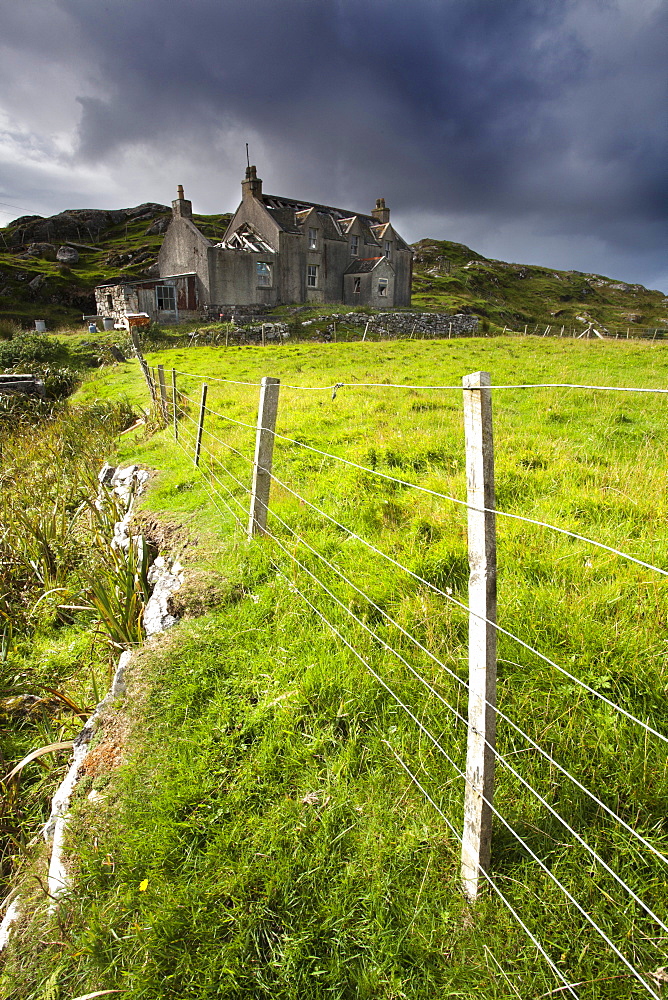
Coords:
pixel 116 300
pixel 233 277
pixel 185 249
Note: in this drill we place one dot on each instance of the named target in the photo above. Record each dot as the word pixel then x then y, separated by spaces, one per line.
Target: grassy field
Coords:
pixel 261 837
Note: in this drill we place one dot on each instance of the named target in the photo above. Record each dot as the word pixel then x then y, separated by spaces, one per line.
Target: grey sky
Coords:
pixel 533 130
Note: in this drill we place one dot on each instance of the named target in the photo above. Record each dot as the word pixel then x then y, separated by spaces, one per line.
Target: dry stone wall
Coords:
pixel 406 324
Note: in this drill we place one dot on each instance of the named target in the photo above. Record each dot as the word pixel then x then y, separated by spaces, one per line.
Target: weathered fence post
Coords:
pixel 477 834
pixel 264 450
pixel 200 423
pixel 174 409
pixel 142 363
pixel 163 393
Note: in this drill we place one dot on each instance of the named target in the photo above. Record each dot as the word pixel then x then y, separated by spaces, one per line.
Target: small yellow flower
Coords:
pixel 143 885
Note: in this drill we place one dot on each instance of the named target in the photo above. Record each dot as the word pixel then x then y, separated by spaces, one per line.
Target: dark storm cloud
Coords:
pixel 542 112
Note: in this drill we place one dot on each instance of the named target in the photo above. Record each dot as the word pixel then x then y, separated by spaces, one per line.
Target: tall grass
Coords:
pixel 53 556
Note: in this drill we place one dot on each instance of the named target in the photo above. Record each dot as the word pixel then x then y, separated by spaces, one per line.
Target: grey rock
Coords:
pixel 67 255
pixel 159 227
pixel 37 282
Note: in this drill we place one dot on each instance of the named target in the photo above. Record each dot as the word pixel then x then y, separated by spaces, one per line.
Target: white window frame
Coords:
pixel 312 239
pixel 354 246
pixel 382 286
pixel 311 275
pixel 162 293
pixel 388 249
pixel 357 286
pixel 263 273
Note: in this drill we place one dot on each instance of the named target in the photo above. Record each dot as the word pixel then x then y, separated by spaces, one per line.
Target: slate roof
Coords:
pixel 362 265
pixel 275 202
pixel 334 222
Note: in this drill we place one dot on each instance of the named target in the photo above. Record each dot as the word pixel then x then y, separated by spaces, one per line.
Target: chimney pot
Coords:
pixel 180 194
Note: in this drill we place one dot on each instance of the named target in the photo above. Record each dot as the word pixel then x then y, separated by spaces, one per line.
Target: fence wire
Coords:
pixel 436 741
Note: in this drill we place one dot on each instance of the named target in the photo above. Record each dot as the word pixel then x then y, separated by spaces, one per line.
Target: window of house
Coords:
pixel 382 286
pixel 110 302
pixel 357 286
pixel 165 296
pixel 313 239
pixel 312 276
pixel 387 250
pixel 354 246
pixel 263 273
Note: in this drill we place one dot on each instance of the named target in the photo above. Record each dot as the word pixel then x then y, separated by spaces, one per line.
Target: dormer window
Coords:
pixel 387 248
pixel 354 246
pixel 313 239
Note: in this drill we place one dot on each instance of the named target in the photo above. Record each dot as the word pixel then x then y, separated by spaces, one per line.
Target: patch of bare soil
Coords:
pixel 108 751
pixel 167 536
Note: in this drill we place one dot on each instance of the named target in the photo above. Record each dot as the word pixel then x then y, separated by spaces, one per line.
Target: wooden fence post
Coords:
pixel 142 363
pixel 477 834
pixel 264 450
pixel 163 393
pixel 174 409
pixel 200 423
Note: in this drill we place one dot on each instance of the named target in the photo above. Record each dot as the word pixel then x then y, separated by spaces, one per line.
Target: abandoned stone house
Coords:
pixel 274 251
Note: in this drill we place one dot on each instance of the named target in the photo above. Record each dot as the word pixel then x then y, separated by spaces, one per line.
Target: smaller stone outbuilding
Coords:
pixel 166 300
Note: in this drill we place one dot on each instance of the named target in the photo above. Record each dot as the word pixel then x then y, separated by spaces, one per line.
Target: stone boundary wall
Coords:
pixel 407 323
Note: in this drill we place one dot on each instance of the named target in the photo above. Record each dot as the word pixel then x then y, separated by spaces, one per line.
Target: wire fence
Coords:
pixel 623 867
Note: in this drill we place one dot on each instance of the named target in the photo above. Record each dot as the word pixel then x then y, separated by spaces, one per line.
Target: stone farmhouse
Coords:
pixel 275 251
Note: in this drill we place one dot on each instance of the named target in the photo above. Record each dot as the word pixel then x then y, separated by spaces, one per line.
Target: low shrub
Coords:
pixel 9 329
pixel 29 348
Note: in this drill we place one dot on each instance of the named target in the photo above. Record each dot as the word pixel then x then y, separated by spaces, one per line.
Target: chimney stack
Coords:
pixel 380 213
pixel 181 207
pixel 251 187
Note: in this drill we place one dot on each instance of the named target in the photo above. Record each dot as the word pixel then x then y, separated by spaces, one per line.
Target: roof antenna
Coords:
pixel 247 156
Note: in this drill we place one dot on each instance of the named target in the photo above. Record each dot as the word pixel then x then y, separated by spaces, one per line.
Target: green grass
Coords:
pixel 261 838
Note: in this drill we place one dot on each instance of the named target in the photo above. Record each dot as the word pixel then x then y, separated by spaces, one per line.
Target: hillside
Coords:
pixel 448 276
pixel 121 244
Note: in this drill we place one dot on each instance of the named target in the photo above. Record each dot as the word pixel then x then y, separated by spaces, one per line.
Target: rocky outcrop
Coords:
pixel 158 227
pixel 78 225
